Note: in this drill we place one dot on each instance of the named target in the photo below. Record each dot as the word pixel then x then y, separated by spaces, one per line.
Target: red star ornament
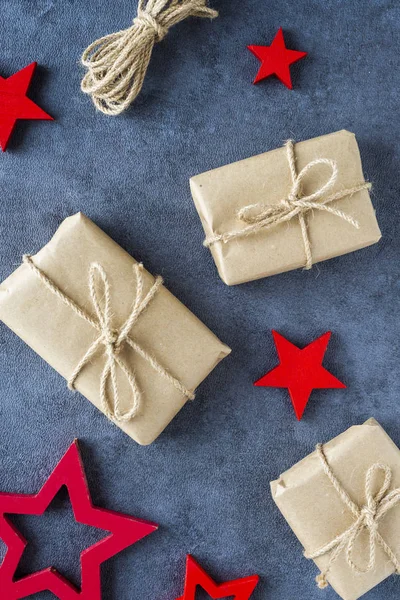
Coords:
pixel 14 104
pixel 300 370
pixel 276 59
pixel 239 589
pixel 122 532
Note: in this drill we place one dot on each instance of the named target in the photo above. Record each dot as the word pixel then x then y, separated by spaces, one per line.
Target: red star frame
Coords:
pixel 239 589
pixel 122 531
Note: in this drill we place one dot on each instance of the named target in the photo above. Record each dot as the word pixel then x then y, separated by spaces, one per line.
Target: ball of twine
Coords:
pixel 117 63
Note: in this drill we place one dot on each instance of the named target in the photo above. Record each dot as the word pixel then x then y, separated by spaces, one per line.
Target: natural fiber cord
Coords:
pixel 117 63
pixel 112 339
pixel 366 519
pixel 262 217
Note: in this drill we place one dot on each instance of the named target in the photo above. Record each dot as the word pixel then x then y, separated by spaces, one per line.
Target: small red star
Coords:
pixel 276 59
pixel 122 532
pixel 300 370
pixel 239 589
pixel 14 104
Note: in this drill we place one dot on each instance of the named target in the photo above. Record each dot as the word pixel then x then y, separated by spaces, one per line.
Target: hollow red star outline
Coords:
pixel 238 589
pixel 300 370
pixel 123 531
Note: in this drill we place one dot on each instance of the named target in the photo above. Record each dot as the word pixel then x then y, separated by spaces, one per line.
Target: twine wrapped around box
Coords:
pixel 112 339
pixel 343 504
pixel 109 328
pixel 296 205
pixel 367 518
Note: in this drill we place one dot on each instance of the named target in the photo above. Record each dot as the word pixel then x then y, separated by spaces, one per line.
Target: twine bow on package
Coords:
pixel 286 209
pixel 111 329
pixel 343 504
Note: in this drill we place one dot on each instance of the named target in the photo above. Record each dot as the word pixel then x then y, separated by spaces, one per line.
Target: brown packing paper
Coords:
pixel 266 179
pixel 317 514
pixel 166 329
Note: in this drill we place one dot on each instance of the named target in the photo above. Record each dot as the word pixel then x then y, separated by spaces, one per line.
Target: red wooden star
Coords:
pixel 14 104
pixel 300 370
pixel 123 531
pixel 276 59
pixel 239 589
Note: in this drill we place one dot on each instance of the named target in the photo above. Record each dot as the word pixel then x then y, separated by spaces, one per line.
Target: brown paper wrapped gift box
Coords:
pixel 181 343
pixel 266 179
pixel 317 514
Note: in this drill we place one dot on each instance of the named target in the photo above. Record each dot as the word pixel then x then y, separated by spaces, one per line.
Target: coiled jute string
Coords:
pixel 117 63
pixel 112 340
pixel 296 205
pixel 366 519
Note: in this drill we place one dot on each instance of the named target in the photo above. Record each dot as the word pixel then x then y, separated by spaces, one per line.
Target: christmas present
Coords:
pixel 343 504
pixel 285 209
pixel 113 331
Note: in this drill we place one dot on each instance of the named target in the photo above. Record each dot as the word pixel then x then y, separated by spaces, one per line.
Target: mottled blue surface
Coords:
pixel 206 479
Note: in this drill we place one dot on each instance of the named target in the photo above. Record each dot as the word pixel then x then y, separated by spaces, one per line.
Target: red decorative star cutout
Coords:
pixel 14 104
pixel 123 531
pixel 239 589
pixel 276 59
pixel 300 370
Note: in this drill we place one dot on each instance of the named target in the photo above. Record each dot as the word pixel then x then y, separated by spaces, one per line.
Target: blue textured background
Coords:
pixel 206 479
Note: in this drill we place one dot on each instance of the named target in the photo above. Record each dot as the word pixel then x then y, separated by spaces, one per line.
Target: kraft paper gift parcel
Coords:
pixel 111 329
pixel 286 209
pixel 343 504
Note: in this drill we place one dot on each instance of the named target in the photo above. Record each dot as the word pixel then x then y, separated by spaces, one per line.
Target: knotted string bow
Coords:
pixel 262 217
pixel 117 63
pixel 366 519
pixel 112 339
